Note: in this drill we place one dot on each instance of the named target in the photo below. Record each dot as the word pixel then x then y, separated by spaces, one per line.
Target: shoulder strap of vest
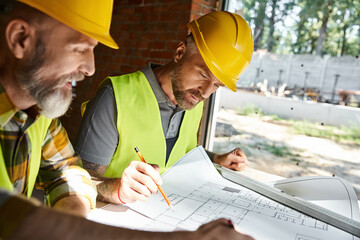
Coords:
pixel 37 133
pixel 4 177
pixel 83 107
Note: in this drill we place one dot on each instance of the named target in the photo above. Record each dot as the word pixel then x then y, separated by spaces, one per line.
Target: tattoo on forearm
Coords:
pixel 107 187
pixel 96 171
pixel 107 190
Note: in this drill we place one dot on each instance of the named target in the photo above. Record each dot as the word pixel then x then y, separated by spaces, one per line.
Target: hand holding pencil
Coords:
pixel 138 182
pixel 160 189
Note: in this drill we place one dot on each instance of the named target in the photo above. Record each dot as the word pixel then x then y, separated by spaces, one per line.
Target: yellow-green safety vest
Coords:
pixel 37 133
pixel 139 124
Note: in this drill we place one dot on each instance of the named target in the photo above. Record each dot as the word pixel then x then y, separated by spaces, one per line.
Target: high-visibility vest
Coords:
pixel 139 124
pixel 37 133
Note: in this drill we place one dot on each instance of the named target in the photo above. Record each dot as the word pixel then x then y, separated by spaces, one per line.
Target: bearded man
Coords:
pixel 42 52
pixel 45 46
pixel 159 109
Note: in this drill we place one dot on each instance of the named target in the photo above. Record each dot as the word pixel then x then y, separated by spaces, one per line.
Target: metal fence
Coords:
pixel 326 75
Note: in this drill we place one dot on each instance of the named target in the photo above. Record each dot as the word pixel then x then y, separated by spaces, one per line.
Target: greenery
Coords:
pixel 275 117
pixel 280 151
pixel 250 111
pixel 340 134
pixel 343 134
pixel 303 26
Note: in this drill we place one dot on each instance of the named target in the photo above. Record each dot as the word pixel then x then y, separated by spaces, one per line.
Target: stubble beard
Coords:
pixel 52 100
pixel 179 93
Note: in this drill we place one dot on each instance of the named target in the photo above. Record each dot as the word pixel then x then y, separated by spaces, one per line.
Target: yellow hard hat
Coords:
pixel 90 17
pixel 225 43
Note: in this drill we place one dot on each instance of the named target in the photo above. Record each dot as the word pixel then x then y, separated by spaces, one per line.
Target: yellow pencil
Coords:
pixel 160 189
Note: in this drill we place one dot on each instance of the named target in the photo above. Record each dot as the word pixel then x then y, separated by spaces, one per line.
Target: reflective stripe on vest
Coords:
pixel 37 133
pixel 139 124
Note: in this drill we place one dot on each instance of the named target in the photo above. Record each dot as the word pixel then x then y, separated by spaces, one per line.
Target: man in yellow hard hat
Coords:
pixel 45 45
pixel 43 50
pixel 159 108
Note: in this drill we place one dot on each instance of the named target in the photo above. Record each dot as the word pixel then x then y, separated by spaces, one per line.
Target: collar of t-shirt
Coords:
pixel 159 93
pixel 171 115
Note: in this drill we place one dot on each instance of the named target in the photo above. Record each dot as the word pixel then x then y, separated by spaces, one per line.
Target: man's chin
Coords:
pixel 55 113
pixel 187 105
pixel 186 101
pixel 55 107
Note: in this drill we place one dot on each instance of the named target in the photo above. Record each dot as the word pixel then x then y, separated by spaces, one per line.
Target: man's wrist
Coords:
pixel 118 194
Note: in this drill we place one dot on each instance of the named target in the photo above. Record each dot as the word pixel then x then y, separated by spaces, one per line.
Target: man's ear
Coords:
pixel 19 36
pixel 180 52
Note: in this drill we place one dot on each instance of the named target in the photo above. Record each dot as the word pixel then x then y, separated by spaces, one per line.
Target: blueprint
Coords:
pixel 199 194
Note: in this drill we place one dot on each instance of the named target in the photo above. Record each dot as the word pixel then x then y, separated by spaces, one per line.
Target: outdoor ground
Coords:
pixel 272 145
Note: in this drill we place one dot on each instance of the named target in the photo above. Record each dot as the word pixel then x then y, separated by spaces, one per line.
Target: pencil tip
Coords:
pixel 171 207
pixel 136 149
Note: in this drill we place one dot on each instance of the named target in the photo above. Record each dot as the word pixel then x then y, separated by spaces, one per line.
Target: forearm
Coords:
pixel 61 175
pixel 108 190
pixel 73 184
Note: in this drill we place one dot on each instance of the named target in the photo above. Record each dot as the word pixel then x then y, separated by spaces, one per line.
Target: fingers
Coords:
pixel 148 170
pixel 127 194
pixel 139 180
pixel 235 160
pixel 239 160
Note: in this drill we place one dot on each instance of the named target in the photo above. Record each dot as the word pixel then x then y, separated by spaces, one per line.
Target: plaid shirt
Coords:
pixel 60 172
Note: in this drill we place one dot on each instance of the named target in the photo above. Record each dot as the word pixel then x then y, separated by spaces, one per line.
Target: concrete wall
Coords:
pixel 304 71
pixel 327 114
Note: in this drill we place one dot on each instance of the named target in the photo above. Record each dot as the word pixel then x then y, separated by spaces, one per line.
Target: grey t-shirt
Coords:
pixel 98 135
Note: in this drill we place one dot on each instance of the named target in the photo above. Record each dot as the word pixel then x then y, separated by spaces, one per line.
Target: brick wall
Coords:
pixel 145 30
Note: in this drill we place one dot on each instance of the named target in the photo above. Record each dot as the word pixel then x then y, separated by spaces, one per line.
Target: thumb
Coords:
pixel 238 152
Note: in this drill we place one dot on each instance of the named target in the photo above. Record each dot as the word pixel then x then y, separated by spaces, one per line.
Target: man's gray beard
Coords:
pixel 53 103
pixel 49 97
pixel 52 100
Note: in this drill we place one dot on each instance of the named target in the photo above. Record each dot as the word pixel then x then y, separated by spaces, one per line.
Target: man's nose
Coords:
pixel 207 89
pixel 87 66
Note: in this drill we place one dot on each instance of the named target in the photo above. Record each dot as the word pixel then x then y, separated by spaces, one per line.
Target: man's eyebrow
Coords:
pixel 209 74
pixel 83 44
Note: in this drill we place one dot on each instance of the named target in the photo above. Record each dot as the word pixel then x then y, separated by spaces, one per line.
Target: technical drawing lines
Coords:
pixel 212 201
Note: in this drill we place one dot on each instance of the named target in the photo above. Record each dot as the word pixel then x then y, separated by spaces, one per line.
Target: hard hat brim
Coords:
pixel 74 21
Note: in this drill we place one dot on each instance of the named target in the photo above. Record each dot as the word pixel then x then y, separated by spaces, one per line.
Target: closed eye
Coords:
pixel 203 75
pixel 79 51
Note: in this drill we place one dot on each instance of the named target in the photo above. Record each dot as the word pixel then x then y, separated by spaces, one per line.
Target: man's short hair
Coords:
pixel 190 44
